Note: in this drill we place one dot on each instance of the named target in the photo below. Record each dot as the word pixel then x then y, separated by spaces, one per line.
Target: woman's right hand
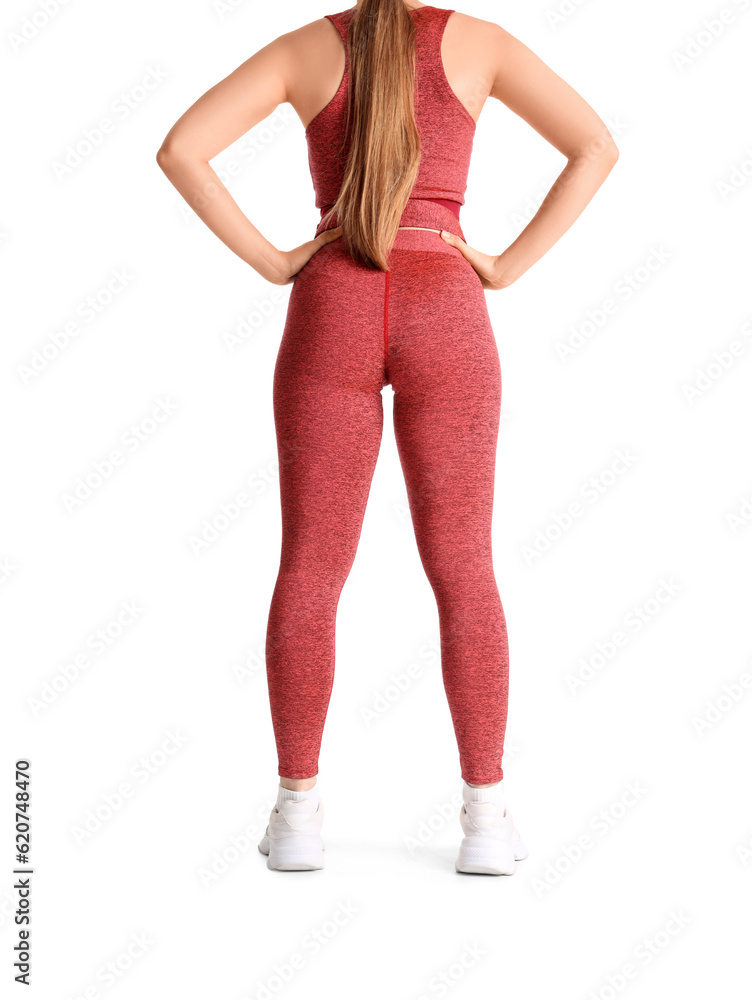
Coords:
pixel 292 261
pixel 486 266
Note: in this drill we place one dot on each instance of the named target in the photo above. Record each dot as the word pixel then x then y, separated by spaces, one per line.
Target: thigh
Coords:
pixel 446 376
pixel 328 410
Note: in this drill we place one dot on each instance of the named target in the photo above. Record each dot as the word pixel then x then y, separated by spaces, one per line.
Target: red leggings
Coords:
pixel 350 330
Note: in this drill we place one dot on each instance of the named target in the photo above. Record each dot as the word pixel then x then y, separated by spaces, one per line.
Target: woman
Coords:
pixel 388 292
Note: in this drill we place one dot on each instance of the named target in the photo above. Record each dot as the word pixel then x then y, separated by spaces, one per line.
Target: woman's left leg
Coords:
pixel 445 372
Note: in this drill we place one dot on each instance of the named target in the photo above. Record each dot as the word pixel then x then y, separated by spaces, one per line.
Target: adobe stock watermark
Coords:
pixel 562 12
pixel 212 528
pixel 446 811
pixel 442 982
pixel 737 179
pixel 311 945
pixel 8 905
pixel 255 320
pixel 7 570
pixel 703 38
pixel 111 972
pixel 85 313
pixel 717 709
pixel 120 109
pixel 633 623
pixel 400 682
pixel 223 8
pixel 743 851
pixel 742 516
pixel 601 823
pixel 111 802
pixel 593 152
pixel 624 289
pixel 242 154
pixel 722 361
pixel 72 669
pixel 521 217
pixel 229 512
pixel 253 664
pixel 591 492
pixel 34 23
pixel 479 93
pixel 236 847
pixel 643 955
pixel 131 440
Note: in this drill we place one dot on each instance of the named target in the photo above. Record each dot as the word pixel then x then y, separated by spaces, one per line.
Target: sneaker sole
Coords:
pixel 481 856
pixel 293 854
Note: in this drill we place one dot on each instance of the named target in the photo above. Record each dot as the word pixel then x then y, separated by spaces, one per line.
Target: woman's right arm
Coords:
pixel 217 119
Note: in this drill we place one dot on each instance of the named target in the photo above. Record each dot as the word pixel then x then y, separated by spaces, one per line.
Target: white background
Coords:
pixel 175 861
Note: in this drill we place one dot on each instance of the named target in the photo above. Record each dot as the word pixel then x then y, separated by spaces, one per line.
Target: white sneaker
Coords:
pixel 491 845
pixel 293 839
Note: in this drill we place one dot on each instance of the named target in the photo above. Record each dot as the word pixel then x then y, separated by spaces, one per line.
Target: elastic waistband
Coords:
pixel 429 213
pixel 423 239
pixel 453 206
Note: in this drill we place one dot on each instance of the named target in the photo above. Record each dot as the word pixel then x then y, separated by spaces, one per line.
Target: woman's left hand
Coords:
pixel 486 267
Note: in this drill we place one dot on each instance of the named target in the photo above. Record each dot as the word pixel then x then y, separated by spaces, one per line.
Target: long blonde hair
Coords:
pixel 384 155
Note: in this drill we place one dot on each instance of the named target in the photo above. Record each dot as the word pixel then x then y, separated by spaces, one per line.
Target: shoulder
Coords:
pixel 477 29
pixel 478 40
pixel 485 40
pixel 298 42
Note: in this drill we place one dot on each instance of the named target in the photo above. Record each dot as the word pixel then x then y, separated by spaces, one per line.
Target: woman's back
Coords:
pixel 320 59
pixel 445 126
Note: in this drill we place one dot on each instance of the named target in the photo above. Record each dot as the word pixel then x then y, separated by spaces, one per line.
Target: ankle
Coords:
pixel 484 793
pixel 310 795
pixel 298 784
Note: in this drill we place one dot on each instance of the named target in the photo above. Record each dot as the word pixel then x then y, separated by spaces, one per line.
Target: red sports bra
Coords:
pixel 445 125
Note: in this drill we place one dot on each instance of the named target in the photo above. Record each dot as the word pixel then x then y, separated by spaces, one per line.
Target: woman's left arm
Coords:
pixel 526 85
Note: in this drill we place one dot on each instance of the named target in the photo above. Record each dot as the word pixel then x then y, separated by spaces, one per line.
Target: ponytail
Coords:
pixel 384 155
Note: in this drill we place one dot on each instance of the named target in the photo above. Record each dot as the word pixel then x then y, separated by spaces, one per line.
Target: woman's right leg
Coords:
pixel 328 416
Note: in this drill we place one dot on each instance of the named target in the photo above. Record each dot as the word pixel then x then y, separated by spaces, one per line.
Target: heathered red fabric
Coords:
pixel 423 327
pixel 446 127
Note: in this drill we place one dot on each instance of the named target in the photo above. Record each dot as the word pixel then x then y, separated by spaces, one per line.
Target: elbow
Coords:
pixel 600 149
pixel 606 150
pixel 170 155
pixel 598 158
pixel 171 152
pixel 165 156
pixel 610 156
